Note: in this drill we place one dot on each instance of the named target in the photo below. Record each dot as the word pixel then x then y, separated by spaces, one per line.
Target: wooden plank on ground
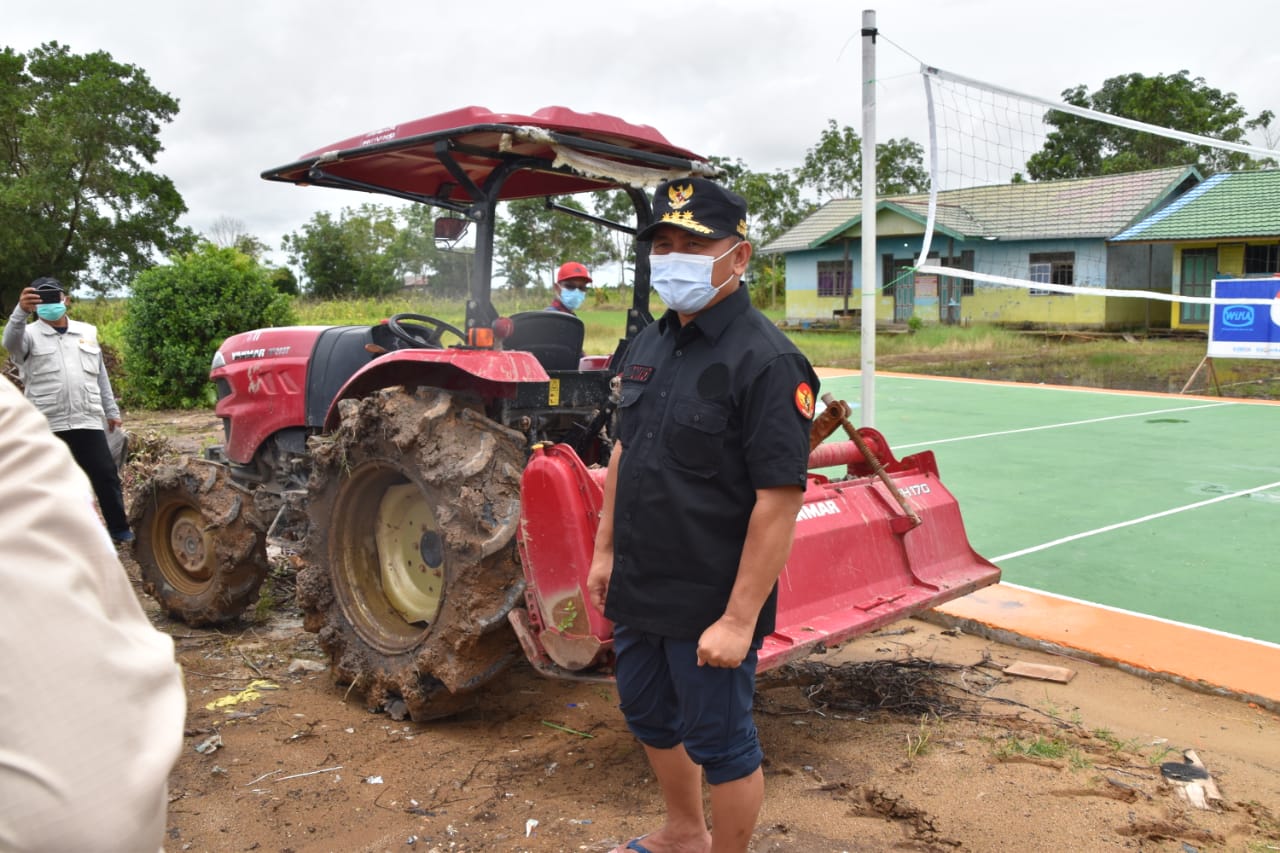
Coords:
pixel 1044 672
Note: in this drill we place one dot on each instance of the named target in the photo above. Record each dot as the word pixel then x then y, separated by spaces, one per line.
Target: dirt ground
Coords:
pixel 277 758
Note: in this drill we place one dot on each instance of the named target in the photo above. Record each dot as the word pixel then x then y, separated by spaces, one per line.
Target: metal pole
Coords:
pixel 869 289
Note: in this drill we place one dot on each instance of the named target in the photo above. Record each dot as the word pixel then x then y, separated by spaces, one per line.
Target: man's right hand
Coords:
pixel 29 300
pixel 598 579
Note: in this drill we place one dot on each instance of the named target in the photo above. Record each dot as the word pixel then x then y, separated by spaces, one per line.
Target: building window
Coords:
pixel 1261 260
pixel 833 278
pixel 1052 268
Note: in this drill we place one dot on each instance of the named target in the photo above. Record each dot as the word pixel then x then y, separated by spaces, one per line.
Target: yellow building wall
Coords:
pixel 1007 305
pixel 1134 313
pixel 1231 260
pixel 807 303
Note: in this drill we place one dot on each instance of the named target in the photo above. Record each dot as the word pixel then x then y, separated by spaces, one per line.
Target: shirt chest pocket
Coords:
pixel 43 371
pixel 629 413
pixel 90 362
pixel 697 436
pixel 90 358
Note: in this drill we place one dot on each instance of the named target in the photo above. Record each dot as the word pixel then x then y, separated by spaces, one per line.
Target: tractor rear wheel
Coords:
pixel 410 565
pixel 200 546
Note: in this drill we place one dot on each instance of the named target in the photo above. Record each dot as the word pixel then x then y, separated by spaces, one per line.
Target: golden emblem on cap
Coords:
pixel 679 196
pixel 686 220
pixel 742 228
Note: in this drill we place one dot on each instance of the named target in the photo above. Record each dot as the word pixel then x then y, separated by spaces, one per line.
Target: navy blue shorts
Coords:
pixel 667 700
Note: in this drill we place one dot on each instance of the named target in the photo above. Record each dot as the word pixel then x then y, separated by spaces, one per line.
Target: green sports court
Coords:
pixel 1155 504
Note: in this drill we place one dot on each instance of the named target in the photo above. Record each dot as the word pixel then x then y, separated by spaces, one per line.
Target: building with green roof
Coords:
pixel 1057 232
pixel 1228 226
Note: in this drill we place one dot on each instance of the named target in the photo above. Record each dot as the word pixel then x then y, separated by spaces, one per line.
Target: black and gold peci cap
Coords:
pixel 698 206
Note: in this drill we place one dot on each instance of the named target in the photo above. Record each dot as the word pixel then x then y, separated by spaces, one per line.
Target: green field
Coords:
pixel 986 352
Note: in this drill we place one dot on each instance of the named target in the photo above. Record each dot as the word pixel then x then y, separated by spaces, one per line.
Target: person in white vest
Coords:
pixel 64 376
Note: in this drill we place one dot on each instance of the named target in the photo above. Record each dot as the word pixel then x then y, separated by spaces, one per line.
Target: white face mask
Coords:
pixel 683 282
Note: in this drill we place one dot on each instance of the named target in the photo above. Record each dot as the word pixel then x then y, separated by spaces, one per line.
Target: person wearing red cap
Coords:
pixel 571 288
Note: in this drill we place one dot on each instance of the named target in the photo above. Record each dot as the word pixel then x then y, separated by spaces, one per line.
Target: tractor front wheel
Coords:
pixel 410 565
pixel 201 546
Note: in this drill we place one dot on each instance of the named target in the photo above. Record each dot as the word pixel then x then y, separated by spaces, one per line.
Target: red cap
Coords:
pixel 572 269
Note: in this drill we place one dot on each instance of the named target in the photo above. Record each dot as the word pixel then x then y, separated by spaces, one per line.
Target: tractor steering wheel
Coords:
pixel 424 331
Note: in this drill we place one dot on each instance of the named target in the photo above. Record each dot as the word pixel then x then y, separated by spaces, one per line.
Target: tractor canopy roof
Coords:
pixel 472 156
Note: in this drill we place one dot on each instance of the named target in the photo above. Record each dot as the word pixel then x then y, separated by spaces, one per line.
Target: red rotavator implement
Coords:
pixel 860 560
pixel 436 485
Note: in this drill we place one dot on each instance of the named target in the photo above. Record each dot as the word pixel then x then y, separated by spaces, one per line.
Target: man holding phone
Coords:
pixel 65 377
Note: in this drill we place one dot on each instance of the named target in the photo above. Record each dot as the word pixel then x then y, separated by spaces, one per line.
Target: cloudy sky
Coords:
pixel 262 81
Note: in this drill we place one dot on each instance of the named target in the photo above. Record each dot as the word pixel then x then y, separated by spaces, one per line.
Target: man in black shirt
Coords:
pixel 699 514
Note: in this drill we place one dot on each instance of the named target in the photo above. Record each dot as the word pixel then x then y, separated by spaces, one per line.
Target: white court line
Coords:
pixel 1059 425
pixel 1131 522
pixel 1161 619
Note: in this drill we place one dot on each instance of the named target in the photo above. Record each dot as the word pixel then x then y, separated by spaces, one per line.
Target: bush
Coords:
pixel 178 315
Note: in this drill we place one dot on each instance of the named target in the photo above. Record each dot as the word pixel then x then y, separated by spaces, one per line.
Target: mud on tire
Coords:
pixel 410 565
pixel 201 546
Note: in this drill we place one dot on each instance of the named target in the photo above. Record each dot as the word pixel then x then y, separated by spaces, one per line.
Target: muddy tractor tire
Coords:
pixel 200 546
pixel 410 565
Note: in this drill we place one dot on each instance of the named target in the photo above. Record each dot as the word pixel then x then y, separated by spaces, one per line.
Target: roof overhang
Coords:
pixel 845 228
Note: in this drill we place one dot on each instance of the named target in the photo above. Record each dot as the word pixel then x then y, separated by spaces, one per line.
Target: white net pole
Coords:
pixel 869 290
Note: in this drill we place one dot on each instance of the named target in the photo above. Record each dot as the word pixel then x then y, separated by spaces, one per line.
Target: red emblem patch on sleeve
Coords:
pixel 804 400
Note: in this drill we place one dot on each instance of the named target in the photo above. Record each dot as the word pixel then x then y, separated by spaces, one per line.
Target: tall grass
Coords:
pixel 978 351
pixel 605 318
pixel 844 349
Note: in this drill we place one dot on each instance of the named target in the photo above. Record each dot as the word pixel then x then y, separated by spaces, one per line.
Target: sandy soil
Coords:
pixel 1002 764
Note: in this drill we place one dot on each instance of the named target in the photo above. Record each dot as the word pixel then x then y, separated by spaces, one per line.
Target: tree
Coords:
pixel 180 312
pixel 620 246
pixel 1081 147
pixel 1262 125
pixel 348 256
pixel 230 233
pixel 283 280
pixel 833 167
pixel 227 232
pixel 900 168
pixel 532 240
pixel 77 199
pixel 372 250
pixel 774 204
pixel 416 253
pixel 773 199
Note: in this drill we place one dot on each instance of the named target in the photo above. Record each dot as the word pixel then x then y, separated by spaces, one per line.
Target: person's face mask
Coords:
pixel 572 298
pixel 683 282
pixel 52 312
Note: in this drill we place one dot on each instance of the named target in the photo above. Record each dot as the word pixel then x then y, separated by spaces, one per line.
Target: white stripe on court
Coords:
pixel 1059 425
pixel 1131 522
pixel 1121 610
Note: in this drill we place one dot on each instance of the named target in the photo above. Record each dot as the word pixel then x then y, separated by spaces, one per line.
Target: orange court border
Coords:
pixel 1194 657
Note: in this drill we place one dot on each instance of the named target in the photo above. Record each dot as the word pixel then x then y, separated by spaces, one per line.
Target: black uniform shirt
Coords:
pixel 710 412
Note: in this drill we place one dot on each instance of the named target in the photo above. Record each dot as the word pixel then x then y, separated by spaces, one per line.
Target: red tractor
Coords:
pixel 438 487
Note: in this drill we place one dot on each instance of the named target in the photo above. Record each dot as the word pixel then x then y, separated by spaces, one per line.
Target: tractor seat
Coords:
pixel 552 337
